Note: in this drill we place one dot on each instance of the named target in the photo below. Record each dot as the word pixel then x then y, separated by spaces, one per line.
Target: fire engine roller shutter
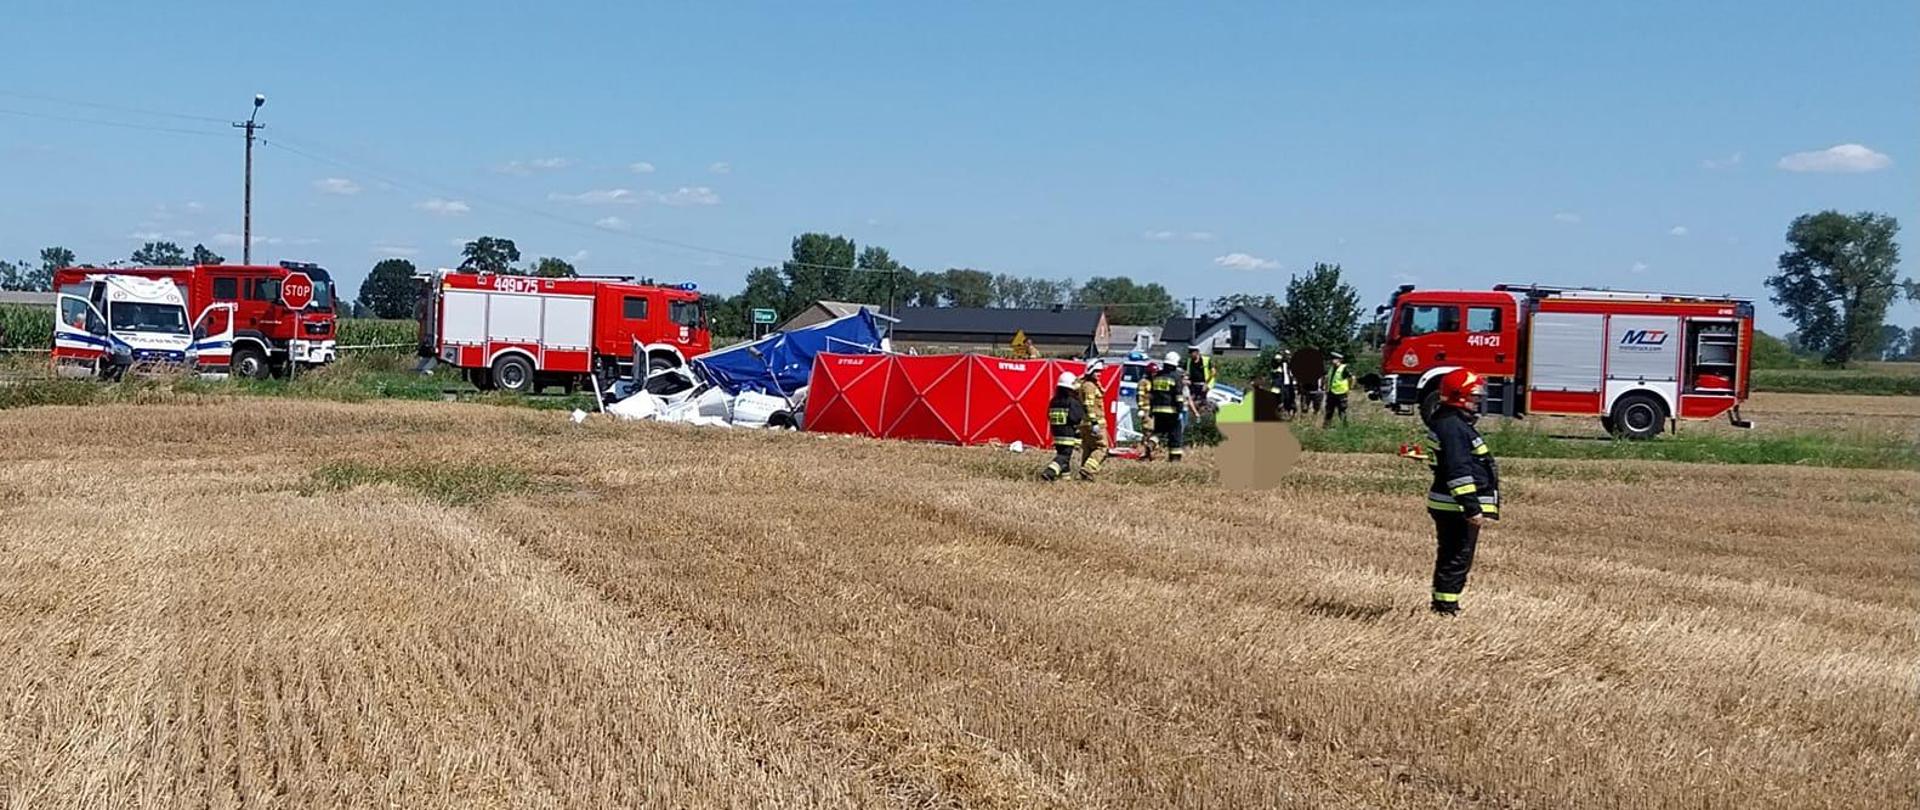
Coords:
pixel 1643 347
pixel 1568 348
pixel 514 317
pixel 569 322
pixel 465 317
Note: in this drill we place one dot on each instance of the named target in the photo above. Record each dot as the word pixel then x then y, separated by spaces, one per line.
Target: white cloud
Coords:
pixel 1638 268
pixel 1727 162
pixel 721 167
pixel 685 195
pixel 1245 261
pixel 696 195
pixel 1180 236
pixel 146 236
pixel 641 167
pixel 522 168
pixel 195 207
pixel 605 196
pixel 445 208
pixel 611 223
pixel 1847 158
pixel 337 185
pixel 393 251
pixel 1678 230
pixel 1568 217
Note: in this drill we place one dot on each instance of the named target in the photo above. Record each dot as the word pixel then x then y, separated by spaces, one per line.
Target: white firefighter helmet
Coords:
pixel 1066 379
pixel 1093 367
pixel 1173 358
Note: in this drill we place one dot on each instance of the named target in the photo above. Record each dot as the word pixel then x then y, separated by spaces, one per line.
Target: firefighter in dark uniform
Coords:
pixel 1065 414
pixel 1168 398
pixel 1466 485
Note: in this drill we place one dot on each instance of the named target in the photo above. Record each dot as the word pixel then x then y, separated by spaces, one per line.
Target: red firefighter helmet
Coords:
pixel 1461 388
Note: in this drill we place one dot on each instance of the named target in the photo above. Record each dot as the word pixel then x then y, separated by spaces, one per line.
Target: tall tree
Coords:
pixel 554 267
pixel 878 281
pixel 54 258
pixel 1892 342
pixel 1321 312
pixel 160 254
pixel 390 289
pixel 1836 279
pixel 964 287
pixel 1030 293
pixel 489 254
pixel 819 270
pixel 1127 302
pixel 201 255
pixel 1913 344
pixel 1264 301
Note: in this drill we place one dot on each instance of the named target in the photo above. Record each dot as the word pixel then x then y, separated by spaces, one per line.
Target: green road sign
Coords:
pixel 764 315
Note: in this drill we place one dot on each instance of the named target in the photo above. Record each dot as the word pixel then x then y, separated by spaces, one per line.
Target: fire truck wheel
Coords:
pixel 1638 416
pixel 482 378
pixel 251 363
pixel 514 374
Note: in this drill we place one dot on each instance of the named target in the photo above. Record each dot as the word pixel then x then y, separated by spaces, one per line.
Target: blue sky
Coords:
pixel 1213 149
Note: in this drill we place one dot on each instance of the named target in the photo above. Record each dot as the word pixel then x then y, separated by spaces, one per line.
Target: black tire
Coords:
pixel 1429 403
pixel 250 362
pixel 656 365
pixel 482 378
pixel 513 374
pixel 1638 416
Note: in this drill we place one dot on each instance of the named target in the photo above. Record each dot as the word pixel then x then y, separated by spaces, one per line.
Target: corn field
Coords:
pixel 266 602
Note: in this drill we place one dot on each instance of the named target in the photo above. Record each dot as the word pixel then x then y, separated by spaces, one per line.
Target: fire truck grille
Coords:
pixel 318 328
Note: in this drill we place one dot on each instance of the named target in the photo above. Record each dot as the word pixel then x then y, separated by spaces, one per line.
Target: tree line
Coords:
pixel 28 276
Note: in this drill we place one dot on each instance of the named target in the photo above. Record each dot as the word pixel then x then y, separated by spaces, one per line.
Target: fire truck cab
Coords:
pixel 1638 361
pixel 522 333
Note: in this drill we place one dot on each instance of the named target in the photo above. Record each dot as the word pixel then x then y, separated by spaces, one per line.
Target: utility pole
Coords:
pixel 246 215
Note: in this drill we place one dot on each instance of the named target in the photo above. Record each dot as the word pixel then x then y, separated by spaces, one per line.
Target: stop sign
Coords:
pixel 296 291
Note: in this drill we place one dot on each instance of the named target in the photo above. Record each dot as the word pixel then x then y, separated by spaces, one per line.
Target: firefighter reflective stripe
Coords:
pixel 1066 441
pixel 1443 502
pixel 1166 393
pixel 1465 480
pixel 1445 597
pixel 1480 447
pixel 1464 489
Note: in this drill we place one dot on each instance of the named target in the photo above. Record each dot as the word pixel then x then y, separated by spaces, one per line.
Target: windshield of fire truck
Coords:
pixel 322 294
pixel 685 313
pixel 134 316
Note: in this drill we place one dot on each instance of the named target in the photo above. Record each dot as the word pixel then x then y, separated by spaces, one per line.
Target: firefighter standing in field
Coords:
pixel 1339 382
pixel 1466 485
pixel 1065 414
pixel 1093 432
pixel 1168 400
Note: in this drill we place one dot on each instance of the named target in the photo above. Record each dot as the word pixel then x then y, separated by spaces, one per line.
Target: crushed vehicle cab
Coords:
pixel 108 325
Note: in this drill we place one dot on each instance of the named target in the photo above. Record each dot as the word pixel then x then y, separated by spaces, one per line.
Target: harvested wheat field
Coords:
pixel 281 603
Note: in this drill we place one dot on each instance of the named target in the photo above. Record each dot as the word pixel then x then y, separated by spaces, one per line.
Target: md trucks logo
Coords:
pixel 1643 340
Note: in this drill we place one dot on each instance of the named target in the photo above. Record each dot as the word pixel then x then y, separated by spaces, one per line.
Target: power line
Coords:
pixel 113 107
pixel 120 124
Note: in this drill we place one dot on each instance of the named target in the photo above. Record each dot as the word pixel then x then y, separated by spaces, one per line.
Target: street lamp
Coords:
pixel 246 216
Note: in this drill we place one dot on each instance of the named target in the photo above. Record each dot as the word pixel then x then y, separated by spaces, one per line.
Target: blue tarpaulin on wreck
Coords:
pixel 780 363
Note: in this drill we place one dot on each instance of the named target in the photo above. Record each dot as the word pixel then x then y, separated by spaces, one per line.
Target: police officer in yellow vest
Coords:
pixel 1065 414
pixel 1339 382
pixel 1168 399
pixel 1093 432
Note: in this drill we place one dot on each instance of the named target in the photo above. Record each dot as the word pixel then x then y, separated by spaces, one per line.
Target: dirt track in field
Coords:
pixel 285 603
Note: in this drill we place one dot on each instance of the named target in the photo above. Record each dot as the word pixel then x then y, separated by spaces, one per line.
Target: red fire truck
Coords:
pixel 521 333
pixel 280 314
pixel 1635 360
